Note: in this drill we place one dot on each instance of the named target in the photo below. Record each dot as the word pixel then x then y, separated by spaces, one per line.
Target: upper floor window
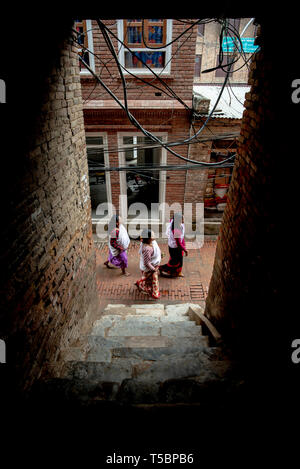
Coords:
pixel 85 44
pixel 200 29
pixel 198 60
pixel 227 60
pixel 148 41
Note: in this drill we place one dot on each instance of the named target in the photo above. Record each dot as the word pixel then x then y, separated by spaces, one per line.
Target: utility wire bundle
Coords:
pixel 226 31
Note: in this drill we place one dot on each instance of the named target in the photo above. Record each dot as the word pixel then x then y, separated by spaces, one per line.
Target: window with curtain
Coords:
pixel 146 39
pixel 82 40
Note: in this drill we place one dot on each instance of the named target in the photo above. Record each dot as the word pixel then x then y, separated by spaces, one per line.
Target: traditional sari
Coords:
pixel 177 247
pixel 118 244
pixel 150 257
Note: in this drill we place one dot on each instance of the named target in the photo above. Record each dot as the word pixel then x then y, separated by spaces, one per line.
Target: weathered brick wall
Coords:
pixel 244 286
pixel 196 180
pixel 48 288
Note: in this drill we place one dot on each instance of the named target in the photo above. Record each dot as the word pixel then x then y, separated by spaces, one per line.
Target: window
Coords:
pixel 99 179
pixel 142 186
pixel 147 40
pixel 85 41
pixel 200 29
pixel 138 185
pixel 227 59
pixel 198 61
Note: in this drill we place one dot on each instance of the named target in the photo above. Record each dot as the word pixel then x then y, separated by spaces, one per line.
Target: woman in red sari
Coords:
pixel 150 257
pixel 176 243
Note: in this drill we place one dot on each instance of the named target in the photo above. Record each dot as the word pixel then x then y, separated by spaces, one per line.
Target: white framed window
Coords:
pixel 85 39
pixel 137 34
pixel 99 180
pixel 136 185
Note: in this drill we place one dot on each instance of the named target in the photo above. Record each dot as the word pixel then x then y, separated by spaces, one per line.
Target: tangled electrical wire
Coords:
pixel 227 31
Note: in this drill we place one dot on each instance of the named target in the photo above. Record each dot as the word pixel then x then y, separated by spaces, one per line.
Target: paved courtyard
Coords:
pixel 193 287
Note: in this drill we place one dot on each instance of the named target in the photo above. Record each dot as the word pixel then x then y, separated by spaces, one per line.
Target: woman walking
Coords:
pixel 118 243
pixel 176 243
pixel 150 257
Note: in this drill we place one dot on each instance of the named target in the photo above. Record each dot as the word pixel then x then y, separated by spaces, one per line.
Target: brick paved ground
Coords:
pixel 197 269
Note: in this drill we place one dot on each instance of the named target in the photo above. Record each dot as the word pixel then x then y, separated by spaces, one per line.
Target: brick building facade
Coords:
pixel 153 103
pixel 158 112
pixel 248 300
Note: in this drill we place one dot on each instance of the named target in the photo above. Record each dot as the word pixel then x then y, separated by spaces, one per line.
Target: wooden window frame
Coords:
pixel 147 24
pixel 165 68
pixel 88 43
pixel 82 24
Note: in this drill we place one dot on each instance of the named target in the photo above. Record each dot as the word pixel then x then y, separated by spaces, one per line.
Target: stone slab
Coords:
pixel 146 341
pixel 157 306
pixel 180 330
pixel 169 368
pixel 112 372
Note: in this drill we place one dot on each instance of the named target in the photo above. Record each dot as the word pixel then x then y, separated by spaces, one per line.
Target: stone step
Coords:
pixel 158 353
pixel 172 367
pixel 180 329
pixel 116 325
pixel 179 309
pixel 133 311
pixel 211 383
pixel 98 371
pixel 144 347
pixel 162 368
pixel 156 306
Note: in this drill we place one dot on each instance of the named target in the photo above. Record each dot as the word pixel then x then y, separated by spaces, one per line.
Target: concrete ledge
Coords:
pixel 196 313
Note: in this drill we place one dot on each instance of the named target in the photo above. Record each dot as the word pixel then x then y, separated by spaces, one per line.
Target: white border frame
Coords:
pixel 162 176
pixel 144 71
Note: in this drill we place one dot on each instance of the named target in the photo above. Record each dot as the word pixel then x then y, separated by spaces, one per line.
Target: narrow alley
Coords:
pixel 193 287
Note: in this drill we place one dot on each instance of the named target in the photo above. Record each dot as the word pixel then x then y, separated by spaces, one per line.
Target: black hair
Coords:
pixel 176 217
pixel 146 236
pixel 113 223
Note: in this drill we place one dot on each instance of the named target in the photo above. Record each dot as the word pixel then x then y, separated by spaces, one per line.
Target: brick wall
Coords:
pixel 173 122
pixel 244 289
pixel 196 180
pixel 180 79
pixel 48 288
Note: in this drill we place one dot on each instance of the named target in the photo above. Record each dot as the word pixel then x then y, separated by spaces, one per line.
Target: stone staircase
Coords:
pixel 139 355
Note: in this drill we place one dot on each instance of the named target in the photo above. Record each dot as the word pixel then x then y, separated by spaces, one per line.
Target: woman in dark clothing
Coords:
pixel 176 243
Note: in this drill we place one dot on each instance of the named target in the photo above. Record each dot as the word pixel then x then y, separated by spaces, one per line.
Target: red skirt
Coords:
pixel 149 284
